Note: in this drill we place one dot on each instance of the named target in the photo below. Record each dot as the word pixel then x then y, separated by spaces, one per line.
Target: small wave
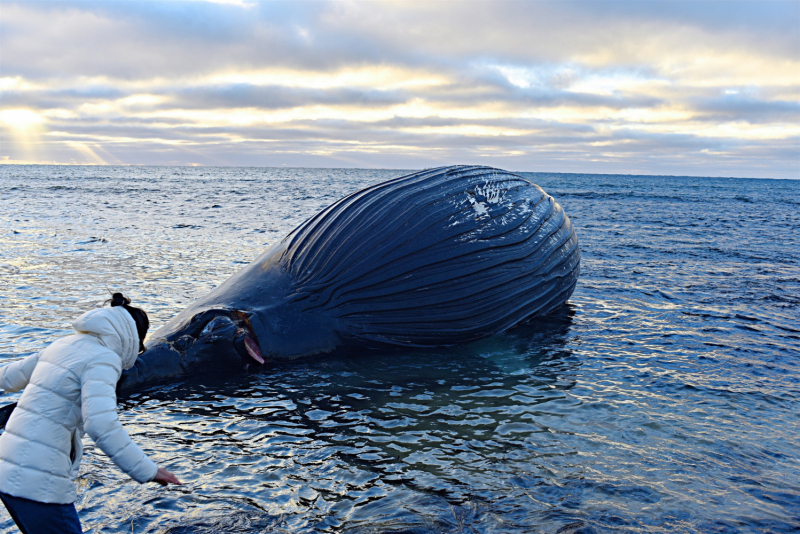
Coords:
pixel 62 188
pixel 93 240
pixel 5 268
pixel 255 521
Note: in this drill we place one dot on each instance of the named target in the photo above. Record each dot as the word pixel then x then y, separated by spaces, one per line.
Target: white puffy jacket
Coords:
pixel 70 387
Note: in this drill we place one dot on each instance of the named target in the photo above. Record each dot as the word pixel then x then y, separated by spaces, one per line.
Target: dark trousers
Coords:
pixel 34 517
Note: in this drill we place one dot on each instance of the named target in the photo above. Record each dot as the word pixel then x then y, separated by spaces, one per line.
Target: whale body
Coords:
pixel 438 257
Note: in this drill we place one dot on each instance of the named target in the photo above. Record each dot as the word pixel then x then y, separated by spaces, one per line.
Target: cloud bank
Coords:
pixel 700 88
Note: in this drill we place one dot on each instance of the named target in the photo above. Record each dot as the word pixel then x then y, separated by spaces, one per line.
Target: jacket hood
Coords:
pixel 115 328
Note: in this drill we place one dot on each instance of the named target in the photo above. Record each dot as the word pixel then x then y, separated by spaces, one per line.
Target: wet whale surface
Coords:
pixel 664 400
pixel 439 257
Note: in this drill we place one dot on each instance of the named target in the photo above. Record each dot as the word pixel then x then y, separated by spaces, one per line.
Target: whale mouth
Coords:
pixel 247 336
pixel 217 332
pixel 215 337
pixel 247 347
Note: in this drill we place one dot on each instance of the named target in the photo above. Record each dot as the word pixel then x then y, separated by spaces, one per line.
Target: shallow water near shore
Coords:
pixel 663 398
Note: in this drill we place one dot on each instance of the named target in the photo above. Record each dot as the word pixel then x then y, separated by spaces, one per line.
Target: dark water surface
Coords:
pixel 663 398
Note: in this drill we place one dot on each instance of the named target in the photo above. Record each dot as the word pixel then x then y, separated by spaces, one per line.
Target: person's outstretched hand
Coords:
pixel 164 477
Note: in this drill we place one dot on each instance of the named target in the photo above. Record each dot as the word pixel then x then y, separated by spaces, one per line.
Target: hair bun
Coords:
pixel 118 299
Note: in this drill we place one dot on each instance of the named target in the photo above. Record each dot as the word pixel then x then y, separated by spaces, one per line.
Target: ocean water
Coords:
pixel 663 398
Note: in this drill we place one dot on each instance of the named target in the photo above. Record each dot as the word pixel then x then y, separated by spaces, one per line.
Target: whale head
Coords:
pixel 215 338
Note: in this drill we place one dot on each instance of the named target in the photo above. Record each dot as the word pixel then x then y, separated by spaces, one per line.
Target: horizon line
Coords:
pixel 193 166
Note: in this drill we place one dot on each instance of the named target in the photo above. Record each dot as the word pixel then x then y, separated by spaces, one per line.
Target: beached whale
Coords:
pixel 438 257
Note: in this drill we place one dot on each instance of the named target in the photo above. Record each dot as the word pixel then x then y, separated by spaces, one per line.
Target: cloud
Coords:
pixel 737 107
pixel 689 86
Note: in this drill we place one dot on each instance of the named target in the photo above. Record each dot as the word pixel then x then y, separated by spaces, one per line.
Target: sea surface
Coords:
pixel 665 397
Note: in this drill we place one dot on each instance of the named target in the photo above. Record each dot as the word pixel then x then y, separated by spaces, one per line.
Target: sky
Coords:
pixel 701 88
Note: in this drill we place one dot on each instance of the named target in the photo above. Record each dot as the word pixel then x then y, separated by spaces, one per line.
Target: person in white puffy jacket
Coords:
pixel 70 388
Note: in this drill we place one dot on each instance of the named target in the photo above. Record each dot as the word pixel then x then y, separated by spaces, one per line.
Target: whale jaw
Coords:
pixel 216 338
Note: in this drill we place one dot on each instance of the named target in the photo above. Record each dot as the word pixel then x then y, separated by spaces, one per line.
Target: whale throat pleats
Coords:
pixel 441 256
